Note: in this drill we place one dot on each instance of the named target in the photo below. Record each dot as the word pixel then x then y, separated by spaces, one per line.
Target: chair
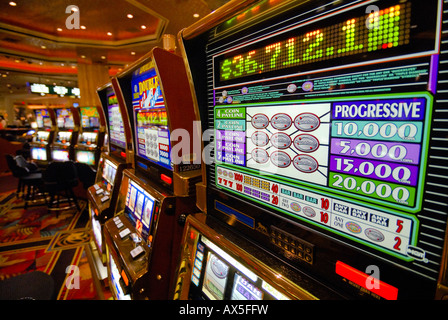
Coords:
pixel 29 182
pixel 34 285
pixel 22 162
pixel 86 174
pixel 59 179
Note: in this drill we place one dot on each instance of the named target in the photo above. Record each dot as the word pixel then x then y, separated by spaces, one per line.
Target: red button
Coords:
pixel 165 178
pixel 360 278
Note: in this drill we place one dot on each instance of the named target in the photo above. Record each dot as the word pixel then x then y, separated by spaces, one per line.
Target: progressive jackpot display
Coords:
pixel 324 117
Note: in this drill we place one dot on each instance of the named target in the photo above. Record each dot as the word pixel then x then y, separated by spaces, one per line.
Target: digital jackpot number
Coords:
pixel 380 30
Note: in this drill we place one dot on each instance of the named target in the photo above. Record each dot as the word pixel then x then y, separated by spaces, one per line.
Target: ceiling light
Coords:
pixel 83 27
pixel 103 57
pixel 196 15
pixel 83 56
pixel 43 47
pixel 133 53
pixel 143 27
pixel 109 33
pixel 12 3
pixel 130 16
pixel 59 29
pixel 74 9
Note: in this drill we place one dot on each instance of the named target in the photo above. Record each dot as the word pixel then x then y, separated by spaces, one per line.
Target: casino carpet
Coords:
pixel 37 240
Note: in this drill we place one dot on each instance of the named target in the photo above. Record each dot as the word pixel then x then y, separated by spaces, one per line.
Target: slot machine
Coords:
pixel 66 134
pixel 40 146
pixel 116 156
pixel 91 136
pixel 328 147
pixel 155 197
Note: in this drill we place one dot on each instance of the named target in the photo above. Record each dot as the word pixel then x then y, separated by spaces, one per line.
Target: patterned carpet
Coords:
pixel 37 239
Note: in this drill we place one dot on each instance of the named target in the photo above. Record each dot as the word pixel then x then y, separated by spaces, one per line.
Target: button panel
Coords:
pixel 294 247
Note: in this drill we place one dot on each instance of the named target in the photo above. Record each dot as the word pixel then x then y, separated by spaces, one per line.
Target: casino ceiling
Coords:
pixel 43 41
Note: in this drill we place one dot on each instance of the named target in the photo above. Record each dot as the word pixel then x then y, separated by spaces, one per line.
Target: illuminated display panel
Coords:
pixel 345 150
pixel 89 118
pixel 87 157
pixel 115 277
pixel 139 208
pixel 151 122
pixel 217 275
pixel 116 127
pixel 60 155
pixel 64 118
pixel 43 119
pixel 348 38
pixel 39 154
pixel 108 173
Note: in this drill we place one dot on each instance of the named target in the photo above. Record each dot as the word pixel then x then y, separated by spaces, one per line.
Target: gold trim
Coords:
pixel 216 17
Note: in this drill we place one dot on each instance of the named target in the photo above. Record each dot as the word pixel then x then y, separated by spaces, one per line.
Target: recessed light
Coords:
pixel 196 15
pixel 133 53
pixel 109 33
pixel 143 27
pixel 43 47
pixel 103 57
pixel 83 56
pixel 130 16
pixel 83 27
pixel 12 3
pixel 74 8
pixel 59 29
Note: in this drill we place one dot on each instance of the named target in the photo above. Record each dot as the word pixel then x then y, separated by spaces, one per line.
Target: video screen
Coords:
pixel 109 172
pixel 217 275
pixel 64 118
pixel 150 118
pixel 39 154
pixel 116 127
pixel 87 157
pixel 60 155
pixel 43 119
pixel 115 277
pixel 89 118
pixel 41 136
pixel 96 228
pixel 139 208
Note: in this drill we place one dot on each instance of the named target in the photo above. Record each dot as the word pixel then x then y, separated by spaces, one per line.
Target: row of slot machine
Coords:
pixel 68 133
pixel 292 150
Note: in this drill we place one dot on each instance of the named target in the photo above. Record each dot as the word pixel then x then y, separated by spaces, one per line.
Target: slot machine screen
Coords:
pixel 89 118
pixel 43 119
pixel 152 134
pixel 139 208
pixel 217 275
pixel 60 155
pixel 87 157
pixel 324 119
pixel 115 277
pixel 39 154
pixel 108 174
pixel 116 127
pixel 64 118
